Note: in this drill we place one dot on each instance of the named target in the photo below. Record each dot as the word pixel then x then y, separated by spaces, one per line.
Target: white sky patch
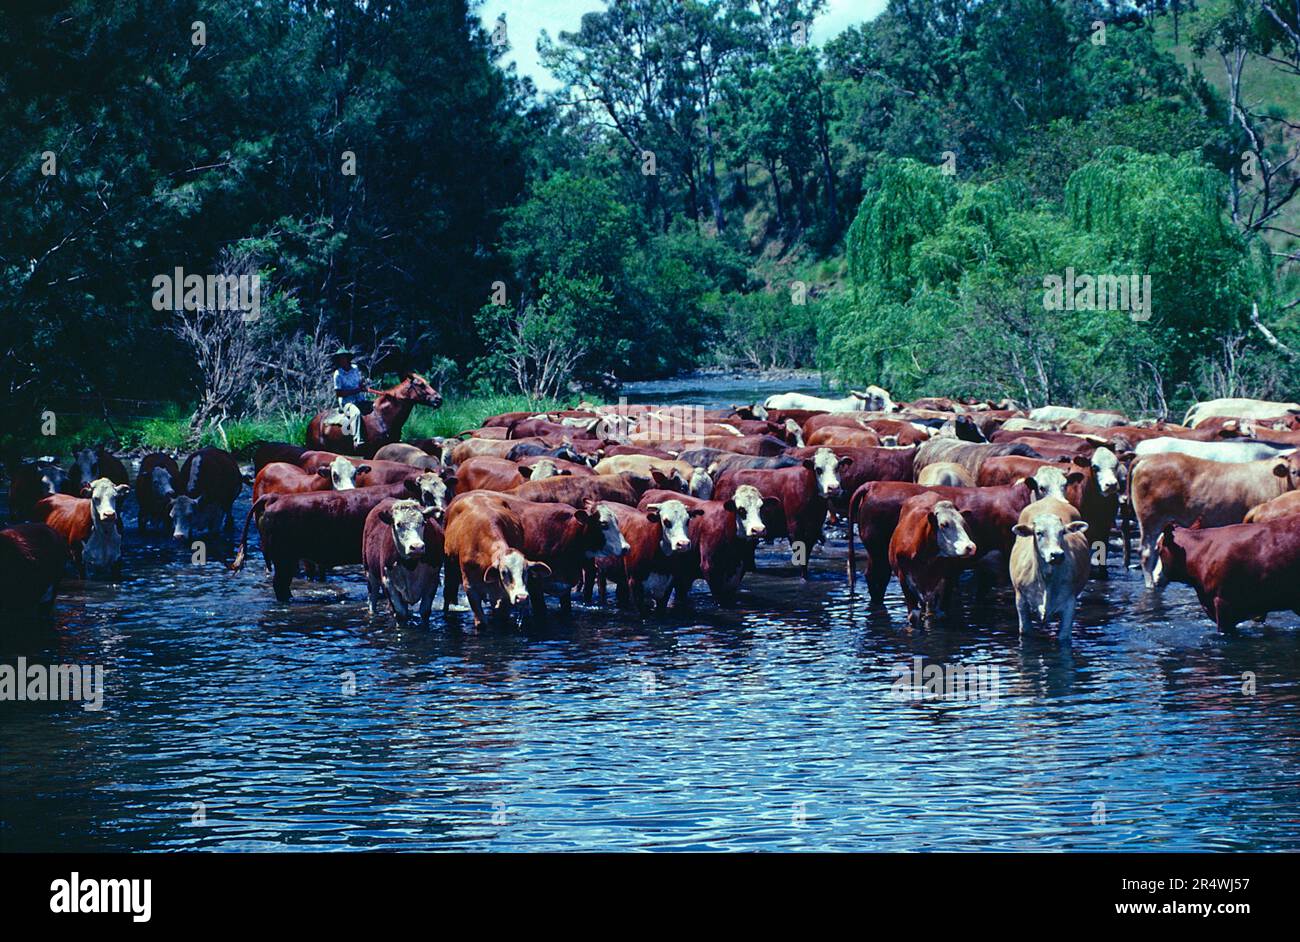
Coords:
pixel 525 20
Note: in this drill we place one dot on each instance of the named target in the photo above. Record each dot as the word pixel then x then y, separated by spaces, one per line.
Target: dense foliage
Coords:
pixel 704 186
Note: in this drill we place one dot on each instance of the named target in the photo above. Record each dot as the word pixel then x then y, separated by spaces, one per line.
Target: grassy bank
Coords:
pixel 168 431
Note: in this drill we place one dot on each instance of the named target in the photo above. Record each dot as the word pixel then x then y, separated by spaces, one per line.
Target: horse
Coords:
pixel 383 426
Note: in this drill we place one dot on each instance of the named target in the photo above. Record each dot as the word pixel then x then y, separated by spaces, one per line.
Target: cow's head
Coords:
pixel 511 572
pixel 1049 481
pixel 700 485
pixel 875 399
pixel 419 390
pixel 1048 531
pixel 183 512
pixel 672 517
pixel 615 426
pixel 600 523
pixel 825 466
pixel 160 481
pixel 950 530
pixel 342 473
pixel 748 505
pixel 103 495
pixel 83 465
pixel 407 518
pixel 1288 468
pixel 541 470
pixel 567 452
pixel 1105 470
pixel 1171 558
pixel 794 432
pixel 431 490
pixel 51 477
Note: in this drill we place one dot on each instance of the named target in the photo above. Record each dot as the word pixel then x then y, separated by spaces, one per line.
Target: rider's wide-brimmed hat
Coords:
pixel 342 352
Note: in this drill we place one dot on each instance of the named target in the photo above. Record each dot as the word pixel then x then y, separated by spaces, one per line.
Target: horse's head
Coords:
pixel 417 389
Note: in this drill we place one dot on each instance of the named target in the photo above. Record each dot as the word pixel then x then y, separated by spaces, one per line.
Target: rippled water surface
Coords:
pixel 227 722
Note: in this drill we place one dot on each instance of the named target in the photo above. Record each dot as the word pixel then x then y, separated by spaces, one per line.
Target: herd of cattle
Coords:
pixel 651 499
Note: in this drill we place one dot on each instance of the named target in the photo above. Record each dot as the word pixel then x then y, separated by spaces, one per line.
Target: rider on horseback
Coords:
pixel 349 390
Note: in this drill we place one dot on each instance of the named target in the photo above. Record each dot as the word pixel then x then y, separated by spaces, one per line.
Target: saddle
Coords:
pixel 348 420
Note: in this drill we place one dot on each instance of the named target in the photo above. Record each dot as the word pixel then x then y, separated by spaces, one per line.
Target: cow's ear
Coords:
pixel 491 574
pixel 582 517
pixel 448 477
pixel 1077 526
pixel 844 462
pixel 526 472
pixel 1031 484
pixel 1022 529
pixel 810 464
pixel 123 489
pixel 85 490
pixel 323 471
pixel 564 471
pixel 386 517
pixel 363 469
pixel 412 486
pixel 652 516
pixel 772 503
pixel 1082 461
pixel 730 506
pixel 539 570
pixel 1281 469
pixel 1074 477
pixel 695 512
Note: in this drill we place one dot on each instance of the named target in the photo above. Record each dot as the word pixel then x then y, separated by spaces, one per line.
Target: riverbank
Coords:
pixel 169 431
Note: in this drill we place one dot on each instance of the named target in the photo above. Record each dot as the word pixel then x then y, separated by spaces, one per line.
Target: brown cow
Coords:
pixel 566 539
pixel 1179 489
pixel 1095 490
pixel 90 463
pixel 1240 571
pixel 156 486
pixel 211 481
pixel 485 473
pixel 323 528
pixel 279 477
pixel 1284 505
pixel 576 491
pixel 838 435
pixel 721 537
pixel 266 452
pixel 762 445
pixel 561 466
pixel 927 550
pixel 991 512
pixel 406 453
pixel 401 548
pixel 31 481
pixel 32 556
pixel 89 525
pixel 803 490
pixel 656 537
pixel 485 542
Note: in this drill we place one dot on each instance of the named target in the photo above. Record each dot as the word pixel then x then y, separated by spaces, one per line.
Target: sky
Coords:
pixel 525 19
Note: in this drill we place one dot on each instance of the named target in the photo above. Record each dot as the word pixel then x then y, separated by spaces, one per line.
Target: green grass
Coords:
pixel 167 432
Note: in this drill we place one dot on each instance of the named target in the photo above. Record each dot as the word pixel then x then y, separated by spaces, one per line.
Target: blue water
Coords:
pixel 227 724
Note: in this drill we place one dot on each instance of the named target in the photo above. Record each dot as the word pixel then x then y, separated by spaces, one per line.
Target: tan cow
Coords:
pixel 1049 563
pixel 1182 490
pixel 945 474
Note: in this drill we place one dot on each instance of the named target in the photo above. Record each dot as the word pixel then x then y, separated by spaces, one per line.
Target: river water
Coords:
pixel 230 722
